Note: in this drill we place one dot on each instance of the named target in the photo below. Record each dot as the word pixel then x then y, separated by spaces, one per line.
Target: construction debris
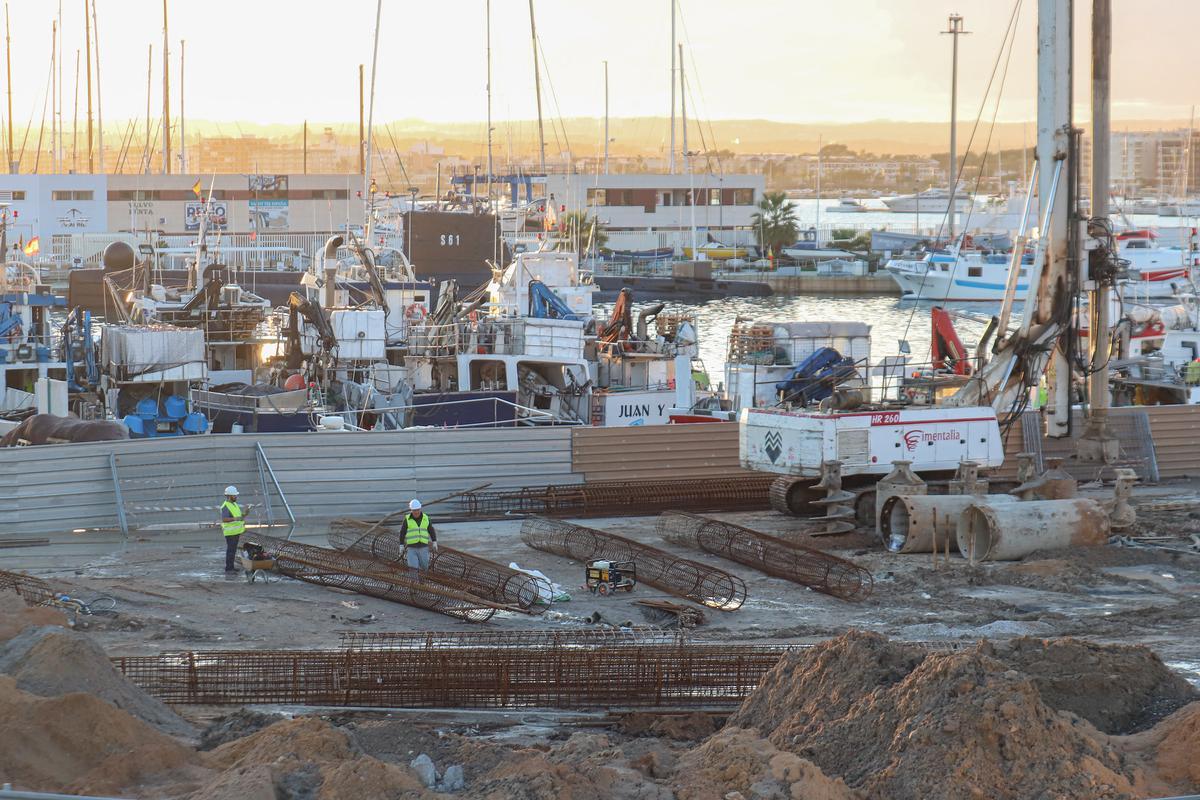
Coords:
pixel 681 577
pixel 584 669
pixel 999 531
pixel 483 578
pixel 676 613
pixel 32 590
pixel 815 569
pixel 369 576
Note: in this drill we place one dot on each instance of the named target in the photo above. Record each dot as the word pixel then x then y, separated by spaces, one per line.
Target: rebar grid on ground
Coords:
pixel 809 567
pixel 33 591
pixel 610 497
pixel 681 577
pixel 372 577
pixel 561 676
pixel 486 579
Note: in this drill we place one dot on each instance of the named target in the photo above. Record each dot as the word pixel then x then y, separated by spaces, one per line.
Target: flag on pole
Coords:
pixel 34 247
pixel 196 189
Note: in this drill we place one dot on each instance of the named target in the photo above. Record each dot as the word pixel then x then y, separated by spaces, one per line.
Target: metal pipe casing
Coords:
pixel 916 523
pixel 990 530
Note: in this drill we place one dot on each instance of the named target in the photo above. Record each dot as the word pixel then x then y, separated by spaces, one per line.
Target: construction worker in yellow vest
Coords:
pixel 419 537
pixel 233 525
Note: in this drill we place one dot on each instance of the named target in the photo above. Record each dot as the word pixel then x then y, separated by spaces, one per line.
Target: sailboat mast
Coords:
pixel 955 30
pixel 183 165
pixel 606 138
pixel 87 38
pixel 537 88
pixel 12 165
pixel 146 147
pixel 166 116
pixel 671 156
pixel 53 96
pixel 488 44
pixel 99 114
pixel 75 120
pixel 686 153
pixel 370 122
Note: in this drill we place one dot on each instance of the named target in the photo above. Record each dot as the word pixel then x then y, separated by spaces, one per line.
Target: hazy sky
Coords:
pixel 283 61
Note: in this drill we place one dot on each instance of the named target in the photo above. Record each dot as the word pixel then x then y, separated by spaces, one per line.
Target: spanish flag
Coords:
pixel 196 188
pixel 34 247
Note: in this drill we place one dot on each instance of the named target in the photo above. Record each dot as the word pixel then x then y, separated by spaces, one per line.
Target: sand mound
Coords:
pixel 367 777
pixel 304 739
pixel 1117 688
pixel 737 760
pixel 957 725
pixel 238 725
pixel 76 742
pixel 51 661
pixel 585 767
pixel 16 616
pixel 691 727
pixel 1169 753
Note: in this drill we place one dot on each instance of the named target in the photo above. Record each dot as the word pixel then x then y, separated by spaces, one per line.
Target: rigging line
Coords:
pixel 554 95
pixel 396 149
pixel 41 129
pixel 1008 40
pixel 695 74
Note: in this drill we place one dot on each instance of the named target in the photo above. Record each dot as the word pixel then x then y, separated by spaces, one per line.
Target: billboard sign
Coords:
pixel 218 215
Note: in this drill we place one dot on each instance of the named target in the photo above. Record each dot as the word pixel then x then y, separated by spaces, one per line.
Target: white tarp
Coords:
pixel 154 347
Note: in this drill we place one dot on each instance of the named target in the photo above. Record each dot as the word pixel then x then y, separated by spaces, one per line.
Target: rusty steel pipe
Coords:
pixel 923 523
pixel 806 566
pixel 374 578
pixel 681 577
pixel 486 579
pixel 999 531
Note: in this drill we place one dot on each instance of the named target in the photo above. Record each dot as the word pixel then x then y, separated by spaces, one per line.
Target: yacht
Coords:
pixel 847 205
pixel 930 201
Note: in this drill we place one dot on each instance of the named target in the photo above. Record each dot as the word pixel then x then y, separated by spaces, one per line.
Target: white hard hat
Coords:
pixel 231 490
pixel 414 505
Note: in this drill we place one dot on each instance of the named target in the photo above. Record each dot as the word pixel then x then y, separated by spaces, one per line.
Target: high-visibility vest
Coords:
pixel 416 532
pixel 236 526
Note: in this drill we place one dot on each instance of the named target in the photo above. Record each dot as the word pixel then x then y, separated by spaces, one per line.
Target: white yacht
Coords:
pixel 847 205
pixel 930 201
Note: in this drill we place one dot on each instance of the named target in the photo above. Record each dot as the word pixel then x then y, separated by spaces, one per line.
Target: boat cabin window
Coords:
pixel 975 272
pixel 666 199
pixel 489 375
pixel 1137 244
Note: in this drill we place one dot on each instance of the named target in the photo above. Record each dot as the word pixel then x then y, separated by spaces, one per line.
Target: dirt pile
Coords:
pixel 305 757
pixel 1117 688
pixel 51 661
pixel 737 760
pixel 584 767
pixel 1169 752
pixel 78 743
pixel 692 727
pixel 955 725
pixel 16 616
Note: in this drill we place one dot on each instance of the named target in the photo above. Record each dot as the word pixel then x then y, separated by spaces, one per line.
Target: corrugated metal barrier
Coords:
pixel 702 450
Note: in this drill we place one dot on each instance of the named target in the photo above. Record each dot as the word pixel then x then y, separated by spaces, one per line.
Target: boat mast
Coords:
pixel 12 165
pixel 166 118
pixel 75 120
pixel 99 114
pixel 87 40
pixel 955 30
pixel 488 47
pixel 819 170
pixel 687 155
pixel 146 146
pixel 183 165
pixel 537 88
pixel 53 96
pixel 370 227
pixel 606 139
pixel 671 158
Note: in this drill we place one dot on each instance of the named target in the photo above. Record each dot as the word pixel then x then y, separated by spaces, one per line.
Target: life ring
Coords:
pixel 415 312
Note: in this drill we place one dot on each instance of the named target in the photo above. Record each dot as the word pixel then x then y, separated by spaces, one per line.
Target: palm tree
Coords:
pixel 585 233
pixel 775 223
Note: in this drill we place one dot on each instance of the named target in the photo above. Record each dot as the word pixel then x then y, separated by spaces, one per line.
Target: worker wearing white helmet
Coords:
pixel 233 525
pixel 419 537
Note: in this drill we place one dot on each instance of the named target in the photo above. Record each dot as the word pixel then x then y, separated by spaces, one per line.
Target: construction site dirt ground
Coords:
pixel 172 593
pixel 1032 712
